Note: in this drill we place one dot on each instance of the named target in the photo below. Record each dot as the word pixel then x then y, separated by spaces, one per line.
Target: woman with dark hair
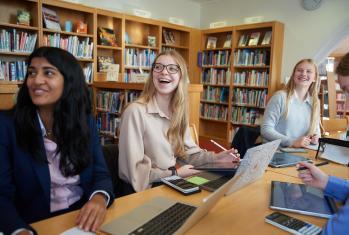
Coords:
pixel 51 160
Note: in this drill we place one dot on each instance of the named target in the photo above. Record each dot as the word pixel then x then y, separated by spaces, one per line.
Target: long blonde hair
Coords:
pixel 313 92
pixel 178 104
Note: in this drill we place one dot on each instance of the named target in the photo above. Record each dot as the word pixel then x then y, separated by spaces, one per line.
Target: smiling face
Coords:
pixel 167 80
pixel 45 83
pixel 304 74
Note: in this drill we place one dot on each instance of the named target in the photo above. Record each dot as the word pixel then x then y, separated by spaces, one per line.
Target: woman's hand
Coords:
pixel 230 155
pixel 91 215
pixel 301 142
pixel 186 171
pixel 314 139
pixel 312 176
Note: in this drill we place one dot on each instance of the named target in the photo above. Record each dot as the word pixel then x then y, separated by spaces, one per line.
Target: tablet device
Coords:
pixel 286 159
pixel 302 199
pixel 218 166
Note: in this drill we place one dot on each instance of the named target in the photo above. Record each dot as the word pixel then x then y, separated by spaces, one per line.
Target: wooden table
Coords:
pixel 330 169
pixel 242 212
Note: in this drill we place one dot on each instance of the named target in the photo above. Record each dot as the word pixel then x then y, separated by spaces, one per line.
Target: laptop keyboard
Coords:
pixel 215 184
pixel 167 222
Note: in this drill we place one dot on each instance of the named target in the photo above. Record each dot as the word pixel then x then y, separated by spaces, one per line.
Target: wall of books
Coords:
pixel 239 72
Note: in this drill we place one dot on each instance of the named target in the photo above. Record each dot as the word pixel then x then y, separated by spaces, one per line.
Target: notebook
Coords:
pixel 164 215
pixel 286 159
pixel 252 166
pixel 301 199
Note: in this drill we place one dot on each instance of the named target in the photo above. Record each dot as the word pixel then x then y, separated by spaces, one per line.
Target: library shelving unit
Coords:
pixel 16 42
pixel 241 66
pixel 80 44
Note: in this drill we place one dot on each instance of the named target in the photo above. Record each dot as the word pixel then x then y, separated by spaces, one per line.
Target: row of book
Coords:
pixel 139 57
pixel 111 102
pixel 251 78
pixel 13 70
pixel 340 96
pixel 135 76
pixel 216 76
pixel 251 57
pixel 252 97
pixel 107 124
pixel 14 41
pixel 214 58
pixel 79 48
pixel 254 39
pixel 243 115
pixel 216 94
pixel 212 111
pixel 341 107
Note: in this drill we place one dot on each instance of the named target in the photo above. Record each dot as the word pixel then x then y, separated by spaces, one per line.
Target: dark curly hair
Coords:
pixel 343 66
pixel 71 113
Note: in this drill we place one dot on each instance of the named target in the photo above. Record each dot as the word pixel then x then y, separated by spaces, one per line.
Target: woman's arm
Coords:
pixel 134 165
pixel 10 220
pixel 272 115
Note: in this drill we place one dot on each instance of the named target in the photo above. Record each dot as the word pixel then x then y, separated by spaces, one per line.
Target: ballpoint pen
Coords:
pixel 221 147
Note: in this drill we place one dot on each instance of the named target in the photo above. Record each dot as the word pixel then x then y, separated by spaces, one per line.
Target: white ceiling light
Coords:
pixel 311 5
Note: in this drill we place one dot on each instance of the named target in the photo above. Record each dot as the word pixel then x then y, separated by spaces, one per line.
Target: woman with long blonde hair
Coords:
pixel 293 115
pixel 154 129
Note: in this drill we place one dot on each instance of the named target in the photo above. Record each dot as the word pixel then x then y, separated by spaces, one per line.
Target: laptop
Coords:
pixel 286 159
pixel 163 215
pixel 155 216
pixel 258 156
pixel 301 199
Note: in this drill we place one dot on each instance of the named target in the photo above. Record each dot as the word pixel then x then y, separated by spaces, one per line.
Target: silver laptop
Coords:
pixel 259 156
pixel 154 217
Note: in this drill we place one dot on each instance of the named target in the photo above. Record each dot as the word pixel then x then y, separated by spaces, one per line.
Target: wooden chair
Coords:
pixel 334 124
pixel 8 96
pixel 194 133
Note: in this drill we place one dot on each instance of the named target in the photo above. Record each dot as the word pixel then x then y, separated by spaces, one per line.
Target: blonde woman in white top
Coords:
pixel 292 115
pixel 154 129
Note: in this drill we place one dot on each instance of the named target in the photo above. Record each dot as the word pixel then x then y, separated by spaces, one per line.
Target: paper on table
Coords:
pixel 76 231
pixel 197 180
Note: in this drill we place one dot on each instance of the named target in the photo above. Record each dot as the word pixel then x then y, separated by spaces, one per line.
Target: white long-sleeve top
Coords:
pixel 297 123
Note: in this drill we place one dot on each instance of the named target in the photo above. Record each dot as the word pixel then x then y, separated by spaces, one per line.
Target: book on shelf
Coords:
pixel 51 19
pixel 169 37
pixel 113 72
pixel 211 43
pixel 23 17
pixel 104 62
pixel 152 41
pixel 266 38
pixel 254 39
pixel 128 40
pixel 243 40
pixel 106 37
pixel 227 42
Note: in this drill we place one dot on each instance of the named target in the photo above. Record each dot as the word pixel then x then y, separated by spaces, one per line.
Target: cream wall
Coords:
pixel 311 34
pixel 188 11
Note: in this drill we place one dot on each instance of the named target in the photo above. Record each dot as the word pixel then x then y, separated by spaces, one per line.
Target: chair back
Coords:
pixel 111 156
pixel 245 138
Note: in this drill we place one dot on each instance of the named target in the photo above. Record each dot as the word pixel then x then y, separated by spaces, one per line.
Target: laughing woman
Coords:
pixel 50 158
pixel 154 130
pixel 293 115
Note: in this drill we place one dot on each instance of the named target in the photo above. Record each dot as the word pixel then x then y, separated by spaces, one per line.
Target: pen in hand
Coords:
pixel 221 147
pixel 318 164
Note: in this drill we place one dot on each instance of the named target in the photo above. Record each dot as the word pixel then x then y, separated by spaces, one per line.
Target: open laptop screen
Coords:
pixel 301 199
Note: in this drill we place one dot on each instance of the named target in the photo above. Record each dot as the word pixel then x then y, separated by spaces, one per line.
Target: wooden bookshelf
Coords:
pixel 238 78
